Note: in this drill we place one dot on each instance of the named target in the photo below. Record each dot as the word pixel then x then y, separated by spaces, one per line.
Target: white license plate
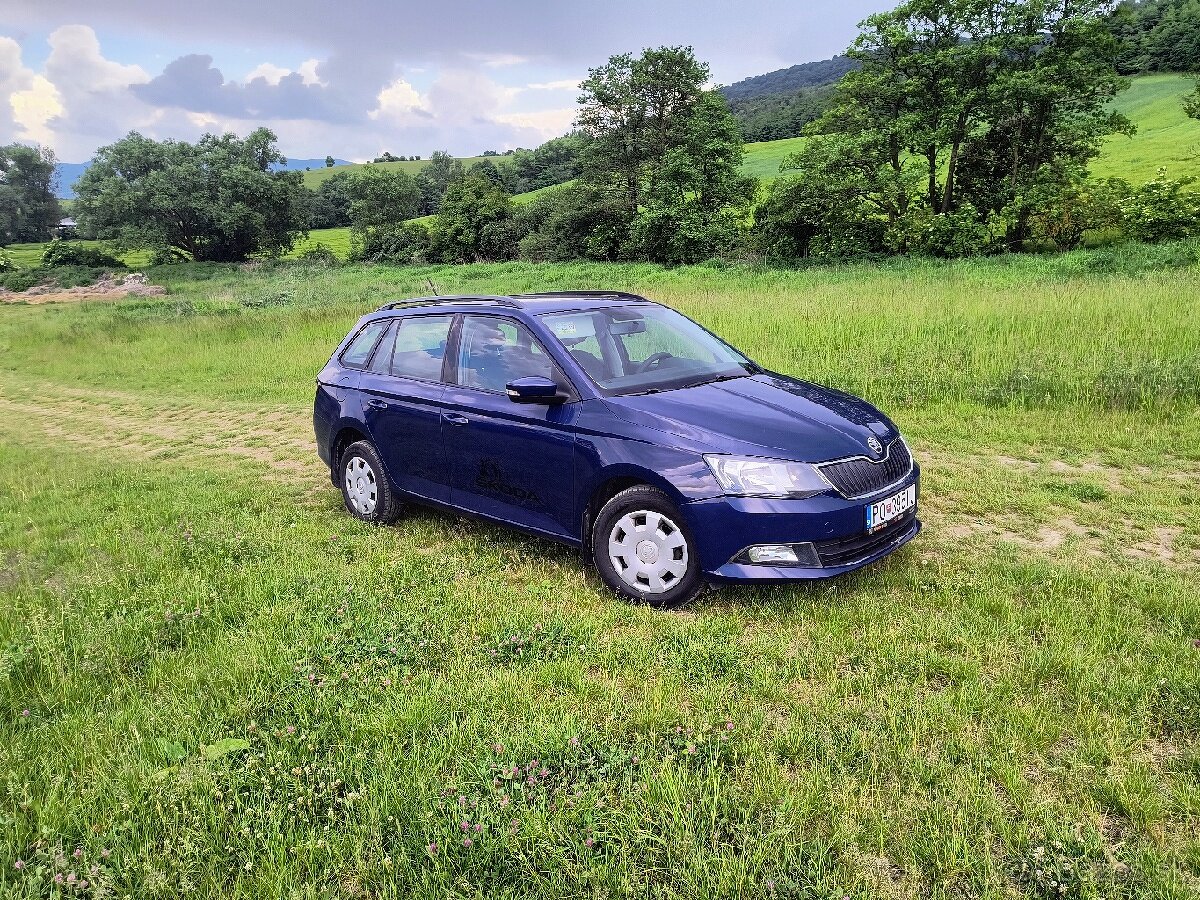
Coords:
pixel 881 513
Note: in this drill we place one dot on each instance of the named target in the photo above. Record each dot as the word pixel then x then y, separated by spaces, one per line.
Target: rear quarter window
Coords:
pixel 359 350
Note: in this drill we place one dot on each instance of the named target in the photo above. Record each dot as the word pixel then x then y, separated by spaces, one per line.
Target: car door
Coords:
pixel 402 391
pixel 509 461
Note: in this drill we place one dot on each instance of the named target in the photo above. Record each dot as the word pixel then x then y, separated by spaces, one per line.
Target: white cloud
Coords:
pixel 545 123
pixel 33 109
pixel 268 72
pixel 308 72
pixel 566 84
pixel 398 103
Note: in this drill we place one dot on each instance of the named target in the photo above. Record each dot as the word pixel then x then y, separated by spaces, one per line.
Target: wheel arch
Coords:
pixel 611 482
pixel 347 433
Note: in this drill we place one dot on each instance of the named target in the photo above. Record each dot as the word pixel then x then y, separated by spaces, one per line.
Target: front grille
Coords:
pixel 860 476
pixel 844 551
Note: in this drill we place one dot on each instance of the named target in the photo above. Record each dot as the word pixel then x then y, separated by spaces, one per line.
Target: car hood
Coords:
pixel 763 415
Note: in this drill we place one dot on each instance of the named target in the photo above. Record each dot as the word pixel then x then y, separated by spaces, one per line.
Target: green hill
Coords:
pixel 1165 136
pixel 314 177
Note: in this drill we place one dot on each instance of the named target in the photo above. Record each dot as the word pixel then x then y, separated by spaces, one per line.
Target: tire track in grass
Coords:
pixel 278 439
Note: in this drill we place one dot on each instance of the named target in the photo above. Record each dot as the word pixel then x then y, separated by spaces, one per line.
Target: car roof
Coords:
pixel 534 304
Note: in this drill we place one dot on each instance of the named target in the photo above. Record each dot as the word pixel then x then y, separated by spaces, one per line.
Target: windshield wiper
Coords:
pixel 718 378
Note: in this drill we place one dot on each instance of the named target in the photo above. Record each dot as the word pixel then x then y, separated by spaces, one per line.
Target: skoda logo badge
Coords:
pixel 873 443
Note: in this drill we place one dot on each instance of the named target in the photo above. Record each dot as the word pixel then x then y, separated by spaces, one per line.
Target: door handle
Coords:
pixel 455 418
pixel 376 403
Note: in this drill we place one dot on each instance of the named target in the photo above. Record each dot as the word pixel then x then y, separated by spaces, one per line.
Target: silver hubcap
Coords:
pixel 361 488
pixel 648 551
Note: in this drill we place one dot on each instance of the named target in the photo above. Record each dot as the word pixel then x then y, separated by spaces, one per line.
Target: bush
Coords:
pixel 70 253
pixel 1161 210
pixel 955 234
pixel 1062 214
pixel 319 254
pixel 6 262
pixel 402 242
pixel 19 280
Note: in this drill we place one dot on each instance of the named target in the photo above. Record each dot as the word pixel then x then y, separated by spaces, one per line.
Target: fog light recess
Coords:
pixel 773 554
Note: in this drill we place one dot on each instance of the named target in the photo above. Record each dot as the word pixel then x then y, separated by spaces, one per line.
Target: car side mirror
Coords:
pixel 534 389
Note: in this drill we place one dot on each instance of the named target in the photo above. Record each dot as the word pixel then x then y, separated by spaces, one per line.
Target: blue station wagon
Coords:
pixel 617 425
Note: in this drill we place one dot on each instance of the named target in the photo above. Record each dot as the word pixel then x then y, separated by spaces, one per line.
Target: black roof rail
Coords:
pixel 599 295
pixel 451 300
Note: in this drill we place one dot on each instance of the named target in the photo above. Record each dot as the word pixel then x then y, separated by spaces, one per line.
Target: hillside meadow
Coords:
pixel 214 682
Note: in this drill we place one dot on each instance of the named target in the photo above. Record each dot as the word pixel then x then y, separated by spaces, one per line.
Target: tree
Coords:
pixel 329 161
pixel 470 223
pixel 330 203
pixel 381 201
pixel 554 162
pixel 435 178
pixel 28 208
pixel 1191 103
pixel 663 150
pixel 215 200
pixel 975 104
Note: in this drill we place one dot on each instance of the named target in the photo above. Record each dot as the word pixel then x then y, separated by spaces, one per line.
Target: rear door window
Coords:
pixel 420 347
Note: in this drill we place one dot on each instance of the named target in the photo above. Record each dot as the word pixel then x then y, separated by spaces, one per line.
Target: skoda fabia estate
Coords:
pixel 611 423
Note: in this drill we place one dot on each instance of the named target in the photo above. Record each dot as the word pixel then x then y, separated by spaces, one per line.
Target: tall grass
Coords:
pixel 1096 329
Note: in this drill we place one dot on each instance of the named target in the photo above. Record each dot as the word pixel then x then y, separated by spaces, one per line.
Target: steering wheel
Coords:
pixel 654 360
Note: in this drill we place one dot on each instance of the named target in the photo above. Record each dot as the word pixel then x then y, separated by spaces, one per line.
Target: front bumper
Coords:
pixel 724 526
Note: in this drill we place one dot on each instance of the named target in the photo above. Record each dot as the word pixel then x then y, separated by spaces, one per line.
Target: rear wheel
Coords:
pixel 643 550
pixel 365 487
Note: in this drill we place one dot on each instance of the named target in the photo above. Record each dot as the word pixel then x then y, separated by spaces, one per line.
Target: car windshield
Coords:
pixel 643 349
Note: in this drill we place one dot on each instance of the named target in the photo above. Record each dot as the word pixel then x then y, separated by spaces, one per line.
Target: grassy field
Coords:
pixel 215 682
pixel 1166 137
pixel 314 177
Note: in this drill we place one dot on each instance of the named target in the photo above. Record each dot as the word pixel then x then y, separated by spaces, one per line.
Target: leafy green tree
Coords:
pixel 435 177
pixel 572 221
pixel 1191 104
pixel 381 201
pixel 215 200
pixel 965 104
pixel 555 162
pixel 329 162
pixel 665 151
pixel 1162 209
pixel 330 203
pixel 470 224
pixel 28 208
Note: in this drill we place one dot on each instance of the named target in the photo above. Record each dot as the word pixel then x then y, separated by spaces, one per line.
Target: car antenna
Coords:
pixel 432 287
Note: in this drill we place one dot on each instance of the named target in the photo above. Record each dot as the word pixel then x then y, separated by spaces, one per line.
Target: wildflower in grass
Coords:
pixel 291 729
pixel 589 843
pixel 19 865
pixel 58 878
pixel 504 801
pixel 478 827
pixel 465 826
pixel 24 714
pixel 498 748
pixel 729 726
pixel 574 742
pixel 467 842
pixel 106 853
pixel 78 852
pixel 431 849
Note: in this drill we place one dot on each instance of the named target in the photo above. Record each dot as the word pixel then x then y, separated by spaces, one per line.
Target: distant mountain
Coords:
pixel 68 173
pixel 789 81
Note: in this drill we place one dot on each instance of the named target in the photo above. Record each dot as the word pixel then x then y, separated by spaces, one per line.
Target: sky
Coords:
pixel 353 78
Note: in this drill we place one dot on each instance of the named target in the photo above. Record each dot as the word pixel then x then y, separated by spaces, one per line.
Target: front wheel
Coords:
pixel 643 550
pixel 365 487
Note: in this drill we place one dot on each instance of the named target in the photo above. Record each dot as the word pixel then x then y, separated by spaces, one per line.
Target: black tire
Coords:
pixel 681 587
pixel 366 489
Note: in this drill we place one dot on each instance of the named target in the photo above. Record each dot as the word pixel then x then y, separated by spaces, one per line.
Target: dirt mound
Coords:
pixel 112 287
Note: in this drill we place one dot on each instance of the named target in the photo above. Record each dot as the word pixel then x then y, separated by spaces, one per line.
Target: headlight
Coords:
pixel 749 476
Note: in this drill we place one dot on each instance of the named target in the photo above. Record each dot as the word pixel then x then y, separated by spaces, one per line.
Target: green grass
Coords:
pixel 314 177
pixel 234 689
pixel 29 256
pixel 1166 136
